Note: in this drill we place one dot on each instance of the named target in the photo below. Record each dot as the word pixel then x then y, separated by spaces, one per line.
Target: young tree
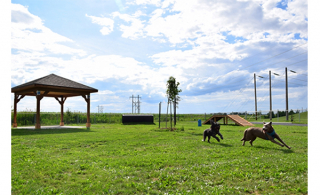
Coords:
pixel 173 94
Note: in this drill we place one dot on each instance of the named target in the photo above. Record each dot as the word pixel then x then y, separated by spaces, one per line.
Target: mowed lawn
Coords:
pixel 142 159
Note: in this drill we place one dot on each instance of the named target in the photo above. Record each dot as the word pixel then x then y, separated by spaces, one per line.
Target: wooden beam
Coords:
pixel 54 89
pixel 61 102
pixel 17 98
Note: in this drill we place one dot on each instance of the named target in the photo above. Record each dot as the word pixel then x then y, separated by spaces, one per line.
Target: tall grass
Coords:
pixel 51 118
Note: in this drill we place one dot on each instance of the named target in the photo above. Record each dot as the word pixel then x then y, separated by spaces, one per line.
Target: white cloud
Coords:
pixel 106 23
pixel 135 29
pixel 28 33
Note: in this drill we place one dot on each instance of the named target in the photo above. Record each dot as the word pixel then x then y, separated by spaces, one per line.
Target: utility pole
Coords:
pixel 287 106
pixel 255 96
pixel 138 105
pixel 132 103
pixel 270 95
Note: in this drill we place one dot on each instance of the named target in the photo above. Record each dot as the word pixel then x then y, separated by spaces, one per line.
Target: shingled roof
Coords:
pixel 55 80
pixel 55 85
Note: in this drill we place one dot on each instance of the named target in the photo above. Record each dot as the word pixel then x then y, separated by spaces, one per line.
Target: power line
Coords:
pixel 273 56
pixel 290 82
pixel 285 59
pixel 298 79
pixel 236 96
pixel 287 66
pixel 272 64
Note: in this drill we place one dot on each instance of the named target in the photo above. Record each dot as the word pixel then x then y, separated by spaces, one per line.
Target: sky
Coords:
pixel 122 48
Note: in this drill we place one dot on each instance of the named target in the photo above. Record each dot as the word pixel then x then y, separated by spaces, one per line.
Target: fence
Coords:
pixel 29 119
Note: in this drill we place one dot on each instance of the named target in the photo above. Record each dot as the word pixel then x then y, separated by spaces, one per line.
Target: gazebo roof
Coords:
pixel 56 85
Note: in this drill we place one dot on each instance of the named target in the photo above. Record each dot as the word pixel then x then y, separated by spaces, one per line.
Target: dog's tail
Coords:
pixel 245 133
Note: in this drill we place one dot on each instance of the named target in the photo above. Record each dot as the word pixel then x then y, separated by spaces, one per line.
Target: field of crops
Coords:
pixel 28 119
pixel 142 159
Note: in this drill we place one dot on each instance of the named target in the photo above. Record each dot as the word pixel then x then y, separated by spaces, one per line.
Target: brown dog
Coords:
pixel 267 133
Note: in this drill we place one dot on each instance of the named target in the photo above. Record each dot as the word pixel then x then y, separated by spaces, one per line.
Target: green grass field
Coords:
pixel 142 159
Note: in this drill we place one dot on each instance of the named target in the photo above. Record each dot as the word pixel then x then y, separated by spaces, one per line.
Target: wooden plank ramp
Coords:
pixel 239 120
pixel 235 118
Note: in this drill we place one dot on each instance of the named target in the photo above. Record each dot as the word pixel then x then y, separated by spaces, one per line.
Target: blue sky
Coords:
pixel 124 48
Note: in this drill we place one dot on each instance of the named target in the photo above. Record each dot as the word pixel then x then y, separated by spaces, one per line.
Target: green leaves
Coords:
pixel 173 90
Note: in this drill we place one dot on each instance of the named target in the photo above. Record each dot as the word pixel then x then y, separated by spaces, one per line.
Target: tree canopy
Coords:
pixel 173 90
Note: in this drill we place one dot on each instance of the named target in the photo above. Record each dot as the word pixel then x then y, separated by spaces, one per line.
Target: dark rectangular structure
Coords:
pixel 137 118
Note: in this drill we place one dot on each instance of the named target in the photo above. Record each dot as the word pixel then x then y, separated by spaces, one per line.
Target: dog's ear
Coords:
pixel 211 122
pixel 271 123
pixel 264 122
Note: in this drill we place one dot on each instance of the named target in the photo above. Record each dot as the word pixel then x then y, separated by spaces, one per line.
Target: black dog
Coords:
pixel 213 131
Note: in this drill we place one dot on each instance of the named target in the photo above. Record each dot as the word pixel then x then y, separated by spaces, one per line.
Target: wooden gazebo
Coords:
pixel 52 86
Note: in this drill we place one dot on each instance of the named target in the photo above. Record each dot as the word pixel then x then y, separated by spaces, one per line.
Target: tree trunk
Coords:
pixel 167 112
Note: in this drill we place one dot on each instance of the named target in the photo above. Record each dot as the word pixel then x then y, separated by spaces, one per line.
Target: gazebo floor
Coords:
pixel 53 127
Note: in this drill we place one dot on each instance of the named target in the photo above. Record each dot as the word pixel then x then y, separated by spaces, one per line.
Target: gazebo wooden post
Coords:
pixel 87 99
pixel 61 102
pixel 39 98
pixel 16 100
pixel 88 112
pixel 61 117
pixel 38 125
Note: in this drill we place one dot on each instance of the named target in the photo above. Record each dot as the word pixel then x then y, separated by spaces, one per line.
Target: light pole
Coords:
pixel 287 104
pixel 270 95
pixel 255 94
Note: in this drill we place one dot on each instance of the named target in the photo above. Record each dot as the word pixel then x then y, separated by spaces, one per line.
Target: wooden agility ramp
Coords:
pixel 235 118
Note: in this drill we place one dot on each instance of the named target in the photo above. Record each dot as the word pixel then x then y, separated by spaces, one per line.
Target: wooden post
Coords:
pixel 38 125
pixel 61 115
pixel 87 99
pixel 16 100
pixel 61 102
pixel 88 112
pixel 39 98
pixel 15 111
